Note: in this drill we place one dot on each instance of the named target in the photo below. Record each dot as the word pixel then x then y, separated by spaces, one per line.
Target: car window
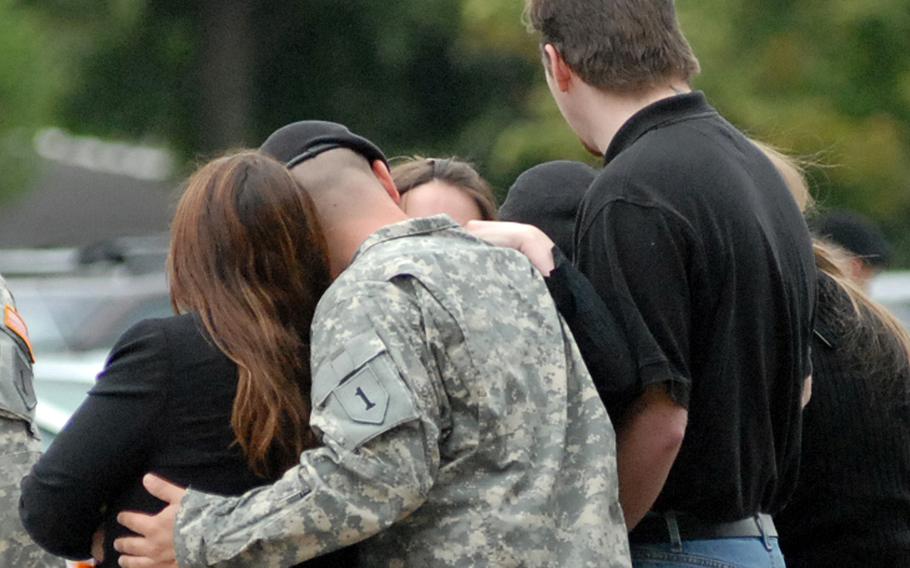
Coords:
pixel 901 310
pixel 48 320
pixel 86 319
pixel 72 313
pixel 138 310
pixel 892 290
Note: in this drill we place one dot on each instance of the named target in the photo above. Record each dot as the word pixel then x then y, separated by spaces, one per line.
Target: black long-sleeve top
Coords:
pixel 601 341
pixel 851 507
pixel 163 405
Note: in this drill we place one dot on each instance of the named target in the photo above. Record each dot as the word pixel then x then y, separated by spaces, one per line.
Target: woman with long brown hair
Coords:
pixel 216 397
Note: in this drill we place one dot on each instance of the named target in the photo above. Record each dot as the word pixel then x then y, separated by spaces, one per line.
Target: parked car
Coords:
pixel 892 289
pixel 73 323
pixel 76 304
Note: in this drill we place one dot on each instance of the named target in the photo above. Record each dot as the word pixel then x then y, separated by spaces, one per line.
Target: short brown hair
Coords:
pixel 620 45
pixel 417 171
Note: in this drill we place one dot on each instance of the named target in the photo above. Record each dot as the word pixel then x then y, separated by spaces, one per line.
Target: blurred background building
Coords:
pixel 87 191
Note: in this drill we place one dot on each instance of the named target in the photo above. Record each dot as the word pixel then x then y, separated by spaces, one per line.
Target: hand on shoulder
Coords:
pixel 526 239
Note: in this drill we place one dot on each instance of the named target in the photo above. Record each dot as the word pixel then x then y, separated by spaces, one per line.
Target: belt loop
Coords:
pixel 673 529
pixel 764 533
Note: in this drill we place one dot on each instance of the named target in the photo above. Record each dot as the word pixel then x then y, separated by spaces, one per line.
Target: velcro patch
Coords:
pixel 363 397
pixel 359 394
pixel 14 322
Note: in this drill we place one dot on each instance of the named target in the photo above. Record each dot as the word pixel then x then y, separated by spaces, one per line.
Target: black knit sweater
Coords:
pixel 852 504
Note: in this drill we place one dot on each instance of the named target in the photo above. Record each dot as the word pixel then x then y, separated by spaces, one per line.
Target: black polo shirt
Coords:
pixel 693 240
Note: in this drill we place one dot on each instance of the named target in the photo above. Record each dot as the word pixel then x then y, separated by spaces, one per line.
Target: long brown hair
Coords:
pixel 248 257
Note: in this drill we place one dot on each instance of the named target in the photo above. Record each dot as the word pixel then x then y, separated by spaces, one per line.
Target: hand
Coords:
pixel 526 239
pixel 807 392
pixel 98 546
pixel 155 547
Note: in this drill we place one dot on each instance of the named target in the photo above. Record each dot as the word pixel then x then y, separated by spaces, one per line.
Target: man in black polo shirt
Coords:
pixel 691 237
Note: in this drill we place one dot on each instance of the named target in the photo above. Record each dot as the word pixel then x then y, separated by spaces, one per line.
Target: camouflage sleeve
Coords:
pixel 377 408
pixel 19 450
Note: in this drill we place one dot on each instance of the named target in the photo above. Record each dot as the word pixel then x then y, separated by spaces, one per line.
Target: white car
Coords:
pixel 73 322
pixel 892 289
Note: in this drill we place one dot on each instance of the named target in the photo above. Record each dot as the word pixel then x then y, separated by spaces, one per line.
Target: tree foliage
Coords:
pixel 29 86
pixel 825 79
pixel 398 72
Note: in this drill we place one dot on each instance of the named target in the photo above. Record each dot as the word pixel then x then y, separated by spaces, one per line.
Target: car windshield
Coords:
pixel 54 322
pixel 73 323
pixel 87 313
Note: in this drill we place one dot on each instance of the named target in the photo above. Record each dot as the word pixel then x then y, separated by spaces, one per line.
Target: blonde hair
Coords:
pixel 792 170
pixel 884 335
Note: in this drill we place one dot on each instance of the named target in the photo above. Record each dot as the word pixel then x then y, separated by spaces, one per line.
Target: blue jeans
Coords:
pixel 748 552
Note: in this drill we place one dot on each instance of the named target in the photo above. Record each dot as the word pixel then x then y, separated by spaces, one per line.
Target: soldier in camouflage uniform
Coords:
pixel 20 445
pixel 460 426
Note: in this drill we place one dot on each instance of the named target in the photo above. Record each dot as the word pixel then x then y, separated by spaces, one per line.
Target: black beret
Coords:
pixel 300 141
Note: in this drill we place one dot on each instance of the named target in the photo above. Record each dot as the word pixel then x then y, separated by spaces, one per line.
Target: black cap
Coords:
pixel 548 196
pixel 857 234
pixel 300 141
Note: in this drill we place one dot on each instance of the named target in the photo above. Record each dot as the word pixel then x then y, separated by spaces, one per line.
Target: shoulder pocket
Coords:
pixel 17 394
pixel 359 394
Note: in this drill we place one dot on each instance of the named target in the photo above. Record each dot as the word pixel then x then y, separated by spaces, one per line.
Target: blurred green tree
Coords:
pixel 30 84
pixel 210 74
pixel 827 79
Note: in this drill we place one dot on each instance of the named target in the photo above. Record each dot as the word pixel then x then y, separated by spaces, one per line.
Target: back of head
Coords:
pixel 873 335
pixel 300 141
pixel 248 257
pixel 625 46
pixel 548 196
pixel 859 236
pixel 333 164
pixel 339 170
pixel 419 171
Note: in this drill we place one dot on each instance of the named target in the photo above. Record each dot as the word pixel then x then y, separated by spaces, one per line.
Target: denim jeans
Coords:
pixel 751 552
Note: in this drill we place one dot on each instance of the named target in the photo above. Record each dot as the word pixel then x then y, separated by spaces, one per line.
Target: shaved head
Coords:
pixel 339 169
pixel 353 199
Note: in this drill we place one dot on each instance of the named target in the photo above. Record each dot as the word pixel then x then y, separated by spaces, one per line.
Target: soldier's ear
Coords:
pixel 382 173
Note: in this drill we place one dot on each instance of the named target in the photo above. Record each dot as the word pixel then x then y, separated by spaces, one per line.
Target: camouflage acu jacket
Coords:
pixel 20 446
pixel 460 426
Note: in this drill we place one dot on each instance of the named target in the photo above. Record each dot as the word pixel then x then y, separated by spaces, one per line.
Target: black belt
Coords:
pixel 663 527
